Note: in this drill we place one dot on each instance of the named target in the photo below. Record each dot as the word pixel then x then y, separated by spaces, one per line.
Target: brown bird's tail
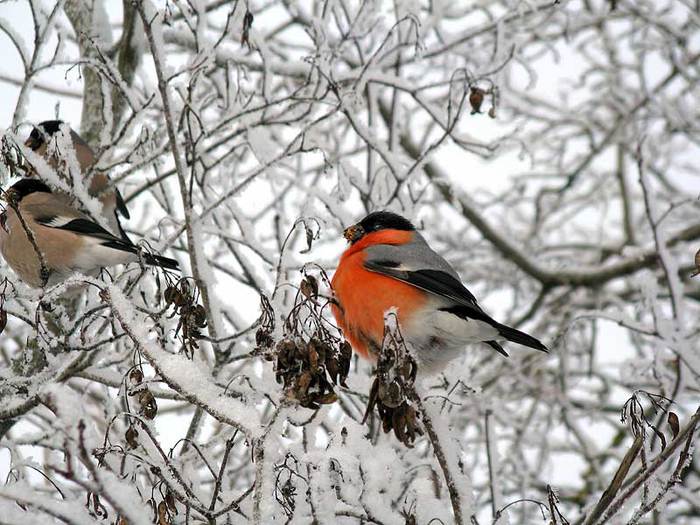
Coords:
pixel 159 260
pixel 516 336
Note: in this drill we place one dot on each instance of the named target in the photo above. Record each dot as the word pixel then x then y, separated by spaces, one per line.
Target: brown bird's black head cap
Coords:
pixel 24 187
pixel 47 128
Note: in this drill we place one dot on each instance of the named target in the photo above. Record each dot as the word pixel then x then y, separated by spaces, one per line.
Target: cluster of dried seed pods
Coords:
pixel 193 316
pixel 477 96
pixel 309 360
pixel 641 410
pixel 146 401
pixel 310 369
pixel 392 389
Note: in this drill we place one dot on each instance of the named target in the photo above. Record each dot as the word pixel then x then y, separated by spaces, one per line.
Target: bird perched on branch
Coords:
pixel 99 187
pixel 389 264
pixel 44 239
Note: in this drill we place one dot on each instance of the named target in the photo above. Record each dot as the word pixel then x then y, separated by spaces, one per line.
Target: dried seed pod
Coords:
pixel 492 112
pixel 319 347
pixel 313 358
pixel 163 514
pixel 285 353
pixel 372 399
pixel 387 420
pixel 328 398
pixel 476 98
pixel 170 501
pixel 333 368
pixel 149 407
pixel 180 299
pixel 344 361
pixel 132 437
pixel 674 424
pixel 406 370
pixel 200 316
pixel 247 24
pixel 398 422
pixel 136 376
pixel 391 394
pixel 345 351
pixel 3 320
pixel 310 404
pixel 303 384
pixel 412 427
pixel 169 295
pixel 301 351
pixel 309 287
pixel 263 339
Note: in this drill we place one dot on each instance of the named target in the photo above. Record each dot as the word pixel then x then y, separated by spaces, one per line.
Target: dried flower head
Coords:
pixel 393 385
pixel 311 359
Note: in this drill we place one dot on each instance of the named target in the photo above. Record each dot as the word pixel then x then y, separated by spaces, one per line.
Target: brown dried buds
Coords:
pixel 477 96
pixel 639 408
pixel 147 405
pixel 392 389
pixel 310 358
pixel 193 316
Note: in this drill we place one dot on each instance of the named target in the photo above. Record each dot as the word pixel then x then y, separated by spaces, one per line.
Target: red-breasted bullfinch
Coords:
pixel 68 240
pixel 113 204
pixel 389 264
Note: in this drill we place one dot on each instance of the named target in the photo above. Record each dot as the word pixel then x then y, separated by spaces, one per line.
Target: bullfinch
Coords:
pixel 68 240
pixel 390 265
pixel 99 186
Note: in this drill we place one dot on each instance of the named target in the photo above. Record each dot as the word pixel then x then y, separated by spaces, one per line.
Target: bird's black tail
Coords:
pixel 516 336
pixel 159 260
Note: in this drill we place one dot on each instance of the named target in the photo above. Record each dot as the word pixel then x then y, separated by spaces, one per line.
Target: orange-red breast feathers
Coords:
pixel 364 296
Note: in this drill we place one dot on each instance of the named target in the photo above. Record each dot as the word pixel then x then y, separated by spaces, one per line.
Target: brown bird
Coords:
pixel 99 187
pixel 68 240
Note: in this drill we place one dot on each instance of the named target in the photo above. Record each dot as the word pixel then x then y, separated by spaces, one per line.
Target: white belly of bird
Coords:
pixel 437 337
pixel 99 256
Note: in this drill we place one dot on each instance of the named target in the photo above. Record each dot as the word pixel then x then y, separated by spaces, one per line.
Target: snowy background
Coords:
pixel 569 205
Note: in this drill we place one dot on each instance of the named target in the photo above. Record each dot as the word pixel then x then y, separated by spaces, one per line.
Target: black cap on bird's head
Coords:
pixel 376 221
pixel 22 188
pixel 41 131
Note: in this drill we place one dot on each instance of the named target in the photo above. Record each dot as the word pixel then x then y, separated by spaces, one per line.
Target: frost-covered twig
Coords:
pixel 616 482
pixel 681 440
pixel 447 467
pixel 178 372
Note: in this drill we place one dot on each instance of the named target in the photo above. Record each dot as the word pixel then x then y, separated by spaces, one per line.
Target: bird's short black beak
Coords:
pixel 354 233
pixel 32 143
